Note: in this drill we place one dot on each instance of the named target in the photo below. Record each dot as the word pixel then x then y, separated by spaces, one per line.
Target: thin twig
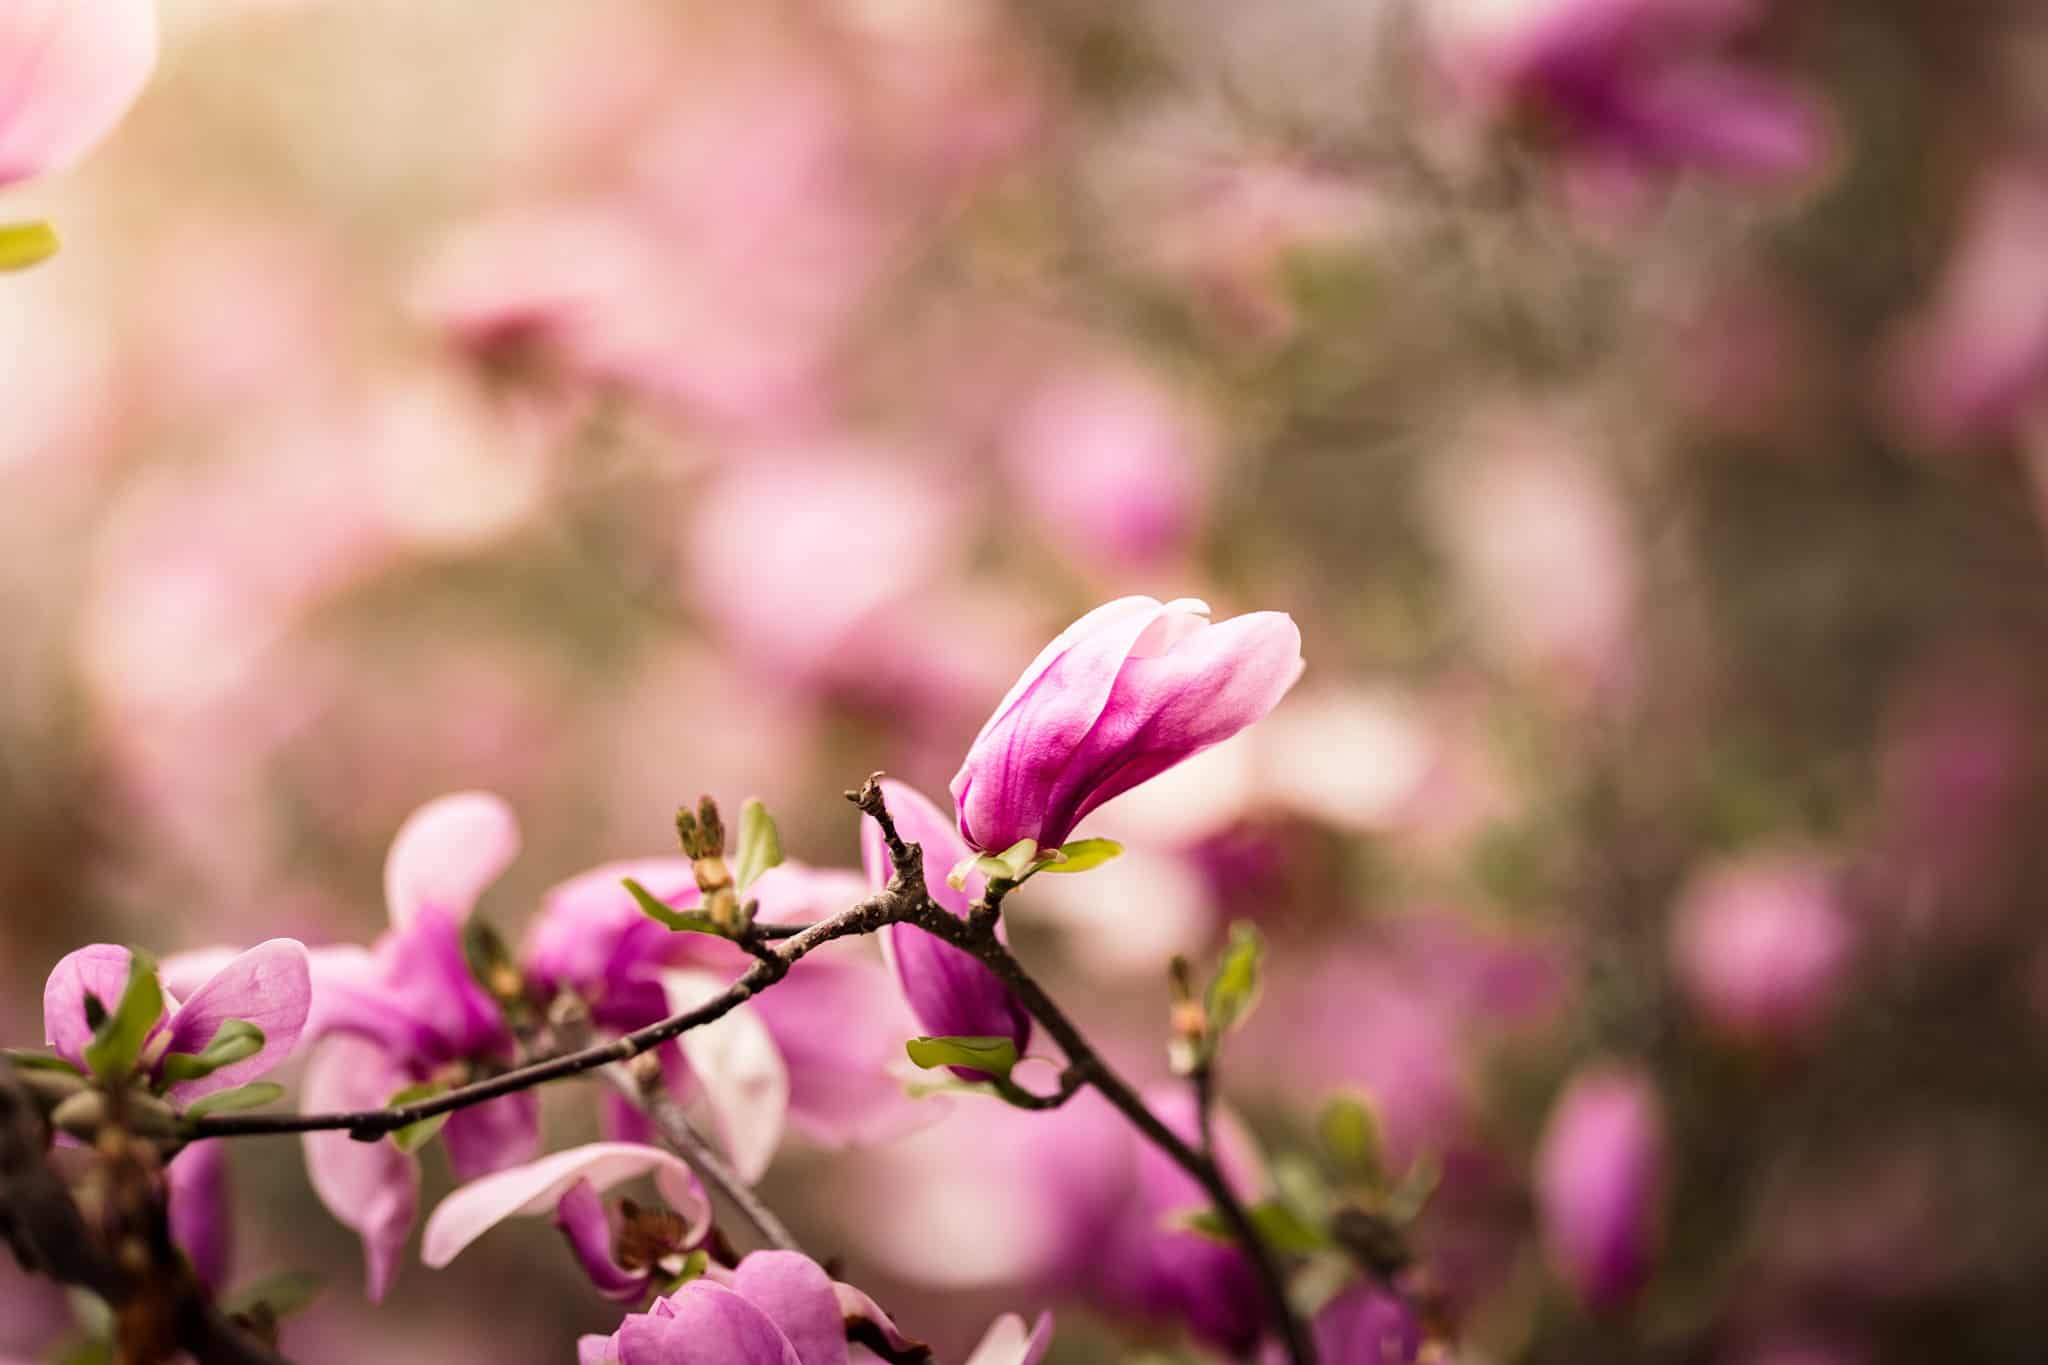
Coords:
pixel 679 1135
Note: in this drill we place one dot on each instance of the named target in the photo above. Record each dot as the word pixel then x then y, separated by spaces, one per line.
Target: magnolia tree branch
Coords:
pixel 125 1255
pixel 977 935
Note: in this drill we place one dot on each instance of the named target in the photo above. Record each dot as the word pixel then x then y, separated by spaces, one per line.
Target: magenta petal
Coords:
pixel 538 1186
pixel 1169 707
pixel 1597 1176
pixel 271 987
pixel 69 69
pixel 1001 787
pixel 951 994
pixel 491 1136
pixel 839 1025
pixel 102 970
pixel 796 1294
pixel 446 853
pixel 196 1189
pixel 369 1186
pixel 1366 1323
pixel 707 1324
pixel 1007 1343
pixel 593 941
pixel 580 1217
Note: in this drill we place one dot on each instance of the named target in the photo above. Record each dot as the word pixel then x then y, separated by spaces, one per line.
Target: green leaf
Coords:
pixel 994 1055
pixel 1234 990
pixel 236 1040
pixel 683 921
pixel 28 1060
pixel 1081 855
pixel 25 244
pixel 694 1266
pixel 117 1043
pixel 1409 1197
pixel 1350 1131
pixel 1278 1225
pixel 282 1294
pixel 414 1136
pixel 760 846
pixel 248 1096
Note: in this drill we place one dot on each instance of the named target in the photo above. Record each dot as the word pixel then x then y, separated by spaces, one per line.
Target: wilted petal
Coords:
pixel 580 1217
pixel 69 69
pixel 1007 1343
pixel 369 1186
pixel 704 1324
pixel 100 969
pixel 491 1136
pixel 196 1190
pixel 735 1061
pixel 796 1294
pixel 535 1188
pixel 271 987
pixel 446 853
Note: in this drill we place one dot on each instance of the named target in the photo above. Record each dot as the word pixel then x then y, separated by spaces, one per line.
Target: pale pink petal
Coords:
pixel 535 1189
pixel 196 1193
pixel 369 1186
pixel 839 1024
pixel 446 853
pixel 271 987
pixel 100 969
pixel 69 69
pixel 1007 1343
pixel 741 1074
pixel 490 1137
pixel 580 1218
pixel 183 973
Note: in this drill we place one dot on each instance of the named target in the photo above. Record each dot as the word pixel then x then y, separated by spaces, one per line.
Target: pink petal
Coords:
pixel 69 69
pixel 196 1190
pixel 446 853
pixel 271 987
pixel 839 1025
pixel 794 892
pixel 102 970
pixel 183 973
pixel 854 1305
pixel 735 1062
pixel 492 1136
pixel 580 1217
pixel 797 1296
pixel 705 1322
pixel 536 1188
pixel 1006 1342
pixel 369 1186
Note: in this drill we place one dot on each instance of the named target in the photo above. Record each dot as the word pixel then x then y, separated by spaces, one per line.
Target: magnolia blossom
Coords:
pixel 951 994
pixel 818 1050
pixel 778 1308
pixel 409 1012
pixel 267 986
pixel 1366 1325
pixel 69 69
pixel 1125 693
pixel 623 1264
pixel 1761 946
pixel 1597 1176
pixel 1639 88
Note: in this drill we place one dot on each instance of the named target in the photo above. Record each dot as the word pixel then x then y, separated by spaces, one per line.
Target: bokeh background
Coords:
pixel 1642 405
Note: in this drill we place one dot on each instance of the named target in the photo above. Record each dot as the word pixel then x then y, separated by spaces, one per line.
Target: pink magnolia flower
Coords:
pixel 268 986
pixel 1365 1325
pixel 1640 89
pixel 407 1012
pixel 69 69
pixel 820 1046
pixel 777 1308
pixel 1597 1174
pixel 568 1184
pixel 1125 693
pixel 951 994
pixel 1761 946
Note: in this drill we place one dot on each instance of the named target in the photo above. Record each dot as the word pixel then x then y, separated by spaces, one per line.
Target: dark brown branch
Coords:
pixel 128 1260
pixel 680 1136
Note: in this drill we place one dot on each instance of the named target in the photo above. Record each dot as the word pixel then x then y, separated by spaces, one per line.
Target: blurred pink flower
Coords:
pixel 69 69
pixel 1761 944
pixel 1639 89
pixel 1598 1178
pixel 1974 359
pixel 1112 465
